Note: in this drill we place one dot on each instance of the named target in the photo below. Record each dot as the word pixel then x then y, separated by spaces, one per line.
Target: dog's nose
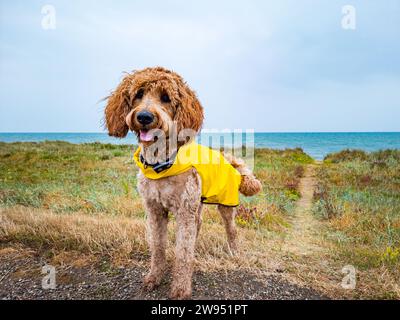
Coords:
pixel 145 117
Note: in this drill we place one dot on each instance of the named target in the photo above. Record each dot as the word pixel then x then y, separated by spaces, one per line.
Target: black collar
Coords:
pixel 159 167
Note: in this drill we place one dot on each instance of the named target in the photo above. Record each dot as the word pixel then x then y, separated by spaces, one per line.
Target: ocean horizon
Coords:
pixel 316 144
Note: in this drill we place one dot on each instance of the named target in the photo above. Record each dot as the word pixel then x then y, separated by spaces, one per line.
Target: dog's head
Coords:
pixel 152 98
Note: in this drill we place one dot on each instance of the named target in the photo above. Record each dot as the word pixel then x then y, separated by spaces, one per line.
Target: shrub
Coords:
pixel 299 171
pixel 346 155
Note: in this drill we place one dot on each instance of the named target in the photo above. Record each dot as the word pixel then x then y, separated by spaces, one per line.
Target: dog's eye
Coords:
pixel 165 98
pixel 139 94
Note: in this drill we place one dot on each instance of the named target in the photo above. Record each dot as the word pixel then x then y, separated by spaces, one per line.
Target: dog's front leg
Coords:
pixel 157 221
pixel 186 223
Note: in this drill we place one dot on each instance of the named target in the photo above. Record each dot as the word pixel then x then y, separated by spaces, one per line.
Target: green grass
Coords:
pixel 280 172
pixel 64 177
pixel 101 178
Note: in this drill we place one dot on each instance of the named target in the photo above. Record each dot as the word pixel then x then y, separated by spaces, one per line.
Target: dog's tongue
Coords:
pixel 146 136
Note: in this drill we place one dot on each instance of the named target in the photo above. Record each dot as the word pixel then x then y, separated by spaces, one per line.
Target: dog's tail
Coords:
pixel 250 185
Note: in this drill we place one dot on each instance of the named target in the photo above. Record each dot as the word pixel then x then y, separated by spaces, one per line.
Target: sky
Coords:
pixel 271 66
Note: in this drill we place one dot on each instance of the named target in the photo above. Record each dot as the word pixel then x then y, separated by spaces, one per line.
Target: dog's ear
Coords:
pixel 189 112
pixel 116 111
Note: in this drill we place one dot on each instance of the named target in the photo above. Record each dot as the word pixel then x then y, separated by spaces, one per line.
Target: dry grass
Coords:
pixel 45 229
pixel 121 238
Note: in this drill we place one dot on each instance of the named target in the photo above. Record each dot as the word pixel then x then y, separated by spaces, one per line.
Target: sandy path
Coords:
pixel 301 239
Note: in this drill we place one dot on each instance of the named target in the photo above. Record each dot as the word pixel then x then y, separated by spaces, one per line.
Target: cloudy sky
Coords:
pixel 274 66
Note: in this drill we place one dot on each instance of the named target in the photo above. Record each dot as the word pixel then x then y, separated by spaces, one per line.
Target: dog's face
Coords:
pixel 153 98
pixel 152 109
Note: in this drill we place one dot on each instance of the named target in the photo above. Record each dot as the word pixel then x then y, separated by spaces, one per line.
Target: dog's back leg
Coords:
pixel 228 216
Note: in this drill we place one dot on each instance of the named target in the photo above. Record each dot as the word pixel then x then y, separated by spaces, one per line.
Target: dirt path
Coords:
pixel 21 278
pixel 300 239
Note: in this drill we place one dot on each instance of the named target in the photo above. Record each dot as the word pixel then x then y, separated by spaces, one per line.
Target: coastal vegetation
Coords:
pixel 61 196
pixel 80 201
pixel 358 201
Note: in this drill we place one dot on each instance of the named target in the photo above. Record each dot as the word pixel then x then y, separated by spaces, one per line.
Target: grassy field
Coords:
pixel 358 201
pixel 64 200
pixel 57 196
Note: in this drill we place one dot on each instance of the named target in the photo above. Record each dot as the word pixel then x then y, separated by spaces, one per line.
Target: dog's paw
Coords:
pixel 178 293
pixel 151 282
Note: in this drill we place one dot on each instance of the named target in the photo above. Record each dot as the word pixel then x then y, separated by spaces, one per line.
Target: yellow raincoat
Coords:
pixel 220 181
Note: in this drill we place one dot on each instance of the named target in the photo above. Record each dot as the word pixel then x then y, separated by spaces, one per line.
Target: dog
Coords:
pixel 159 100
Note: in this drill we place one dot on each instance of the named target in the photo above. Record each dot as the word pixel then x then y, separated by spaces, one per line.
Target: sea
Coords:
pixel 316 144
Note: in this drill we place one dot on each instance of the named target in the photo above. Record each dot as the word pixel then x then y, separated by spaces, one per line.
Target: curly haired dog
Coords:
pixel 156 98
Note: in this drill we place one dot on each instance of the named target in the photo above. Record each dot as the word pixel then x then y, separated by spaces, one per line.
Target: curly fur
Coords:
pixel 186 108
pixel 181 194
pixel 249 186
